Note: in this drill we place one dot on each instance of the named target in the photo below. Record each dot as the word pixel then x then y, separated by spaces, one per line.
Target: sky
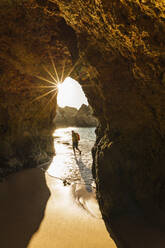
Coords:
pixel 70 94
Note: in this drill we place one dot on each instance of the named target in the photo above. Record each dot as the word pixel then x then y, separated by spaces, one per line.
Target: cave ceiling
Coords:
pixel 100 38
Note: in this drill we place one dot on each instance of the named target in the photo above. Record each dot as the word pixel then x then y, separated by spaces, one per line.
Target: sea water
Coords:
pixel 67 166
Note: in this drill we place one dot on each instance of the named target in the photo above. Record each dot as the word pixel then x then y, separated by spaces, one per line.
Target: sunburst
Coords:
pixel 53 84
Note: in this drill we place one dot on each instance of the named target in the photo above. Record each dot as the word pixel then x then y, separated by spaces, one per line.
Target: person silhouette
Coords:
pixel 75 140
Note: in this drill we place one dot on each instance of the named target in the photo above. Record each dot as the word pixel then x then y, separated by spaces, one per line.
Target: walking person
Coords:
pixel 75 140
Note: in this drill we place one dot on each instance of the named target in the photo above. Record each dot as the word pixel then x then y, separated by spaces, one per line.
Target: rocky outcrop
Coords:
pixel 65 117
pixel 69 117
pixel 85 118
pixel 115 49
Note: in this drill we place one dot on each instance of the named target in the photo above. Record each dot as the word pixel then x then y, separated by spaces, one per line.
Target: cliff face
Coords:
pixel 65 117
pixel 85 118
pixel 115 49
pixel 68 117
pixel 28 103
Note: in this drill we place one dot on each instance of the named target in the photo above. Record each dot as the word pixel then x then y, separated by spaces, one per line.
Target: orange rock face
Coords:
pixel 116 52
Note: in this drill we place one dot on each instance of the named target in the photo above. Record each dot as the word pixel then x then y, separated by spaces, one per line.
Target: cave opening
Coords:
pixel 73 115
pixel 71 94
pixel 71 173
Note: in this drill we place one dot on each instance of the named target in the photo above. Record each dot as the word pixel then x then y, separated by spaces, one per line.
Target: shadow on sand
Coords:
pixel 85 173
pixel 23 199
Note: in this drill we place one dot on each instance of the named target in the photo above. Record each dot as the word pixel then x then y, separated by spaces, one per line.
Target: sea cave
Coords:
pixel 115 50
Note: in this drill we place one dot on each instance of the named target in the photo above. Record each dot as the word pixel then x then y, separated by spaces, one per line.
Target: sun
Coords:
pixel 70 94
pixel 67 90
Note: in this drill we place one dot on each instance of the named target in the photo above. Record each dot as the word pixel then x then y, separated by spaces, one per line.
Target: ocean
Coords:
pixel 67 166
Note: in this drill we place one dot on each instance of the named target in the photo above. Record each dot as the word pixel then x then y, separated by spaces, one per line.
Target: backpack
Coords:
pixel 78 136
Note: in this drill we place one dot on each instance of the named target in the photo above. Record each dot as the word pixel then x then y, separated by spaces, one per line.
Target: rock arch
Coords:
pixel 116 50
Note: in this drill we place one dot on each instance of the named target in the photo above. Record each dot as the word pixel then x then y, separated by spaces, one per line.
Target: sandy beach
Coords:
pixel 42 208
pixel 57 207
pixel 72 219
pixel 38 211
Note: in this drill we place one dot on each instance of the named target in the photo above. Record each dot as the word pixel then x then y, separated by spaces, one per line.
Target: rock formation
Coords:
pixel 69 117
pixel 115 49
pixel 85 118
pixel 65 117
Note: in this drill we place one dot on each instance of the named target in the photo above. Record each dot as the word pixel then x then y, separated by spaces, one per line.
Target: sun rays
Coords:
pixel 49 86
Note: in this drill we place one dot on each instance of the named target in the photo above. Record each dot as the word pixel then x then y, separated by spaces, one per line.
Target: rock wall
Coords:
pixel 115 49
pixel 28 103
pixel 70 117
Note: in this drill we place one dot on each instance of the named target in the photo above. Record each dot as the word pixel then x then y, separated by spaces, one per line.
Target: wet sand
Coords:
pixel 72 219
pixel 38 211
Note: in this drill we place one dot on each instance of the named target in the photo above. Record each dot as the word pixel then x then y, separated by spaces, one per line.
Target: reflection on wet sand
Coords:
pixel 66 224
pixel 86 200
pixel 84 193
pixel 84 172
pixel 29 219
